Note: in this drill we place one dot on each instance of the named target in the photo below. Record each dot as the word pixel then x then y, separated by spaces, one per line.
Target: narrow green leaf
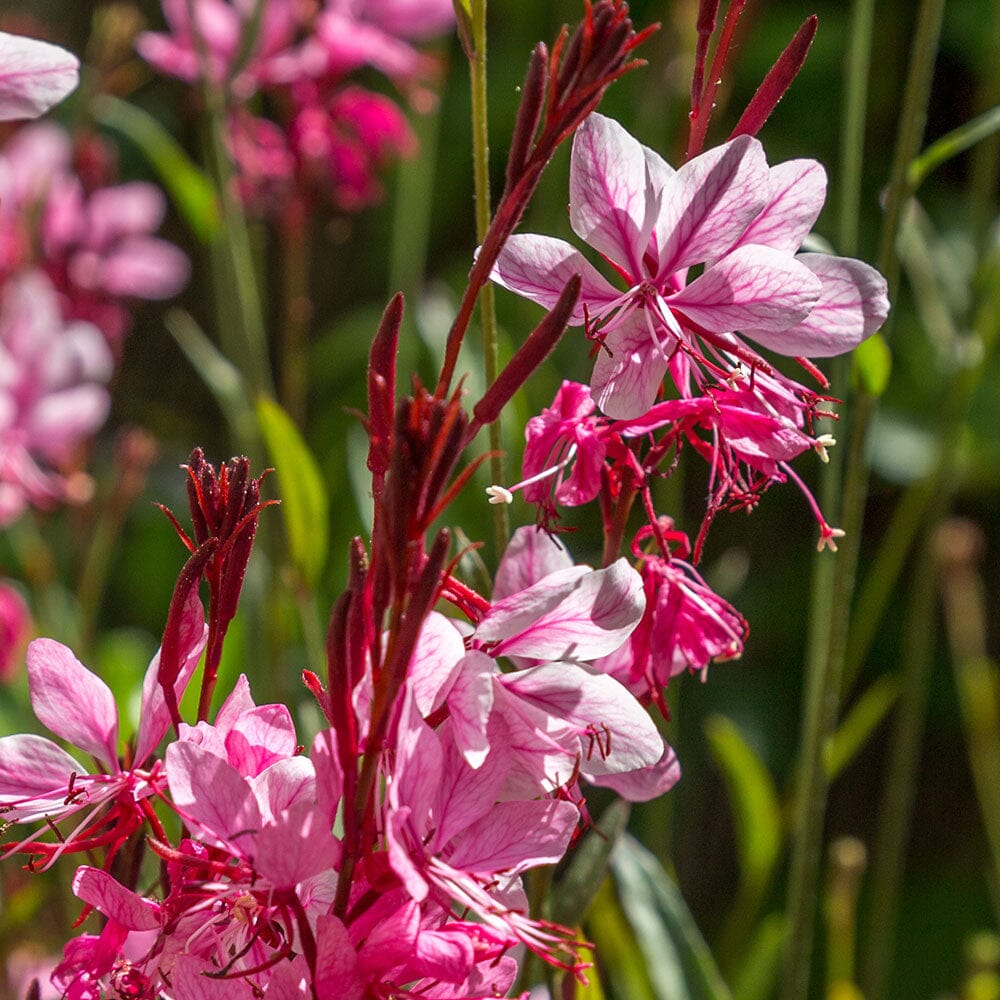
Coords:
pixel 304 501
pixel 957 141
pixel 859 724
pixel 615 942
pixel 191 190
pixel 872 365
pixel 759 973
pixel 754 799
pixel 677 959
pixel 586 872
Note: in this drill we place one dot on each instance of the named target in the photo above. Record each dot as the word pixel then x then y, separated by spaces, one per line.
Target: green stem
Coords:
pixel 297 308
pixel 823 682
pixel 251 336
pixel 487 309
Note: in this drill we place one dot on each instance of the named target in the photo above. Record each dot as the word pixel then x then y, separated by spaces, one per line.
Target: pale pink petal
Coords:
pixel 615 732
pixel 753 288
pixel 34 768
pixel 115 901
pixel 644 783
pixel 73 702
pixel 285 785
pixel 531 555
pixel 607 192
pixel 60 419
pixel 434 662
pixel 629 369
pixel 470 702
pixel 443 955
pixel 130 209
pixel 211 794
pixel 412 18
pixel 572 614
pixel 144 267
pixel 154 716
pixel 797 192
pixel 295 847
pixel 260 738
pixel 539 267
pixel 33 76
pixel 515 836
pixel 169 56
pixel 329 774
pixel 853 304
pixel 239 701
pixel 709 202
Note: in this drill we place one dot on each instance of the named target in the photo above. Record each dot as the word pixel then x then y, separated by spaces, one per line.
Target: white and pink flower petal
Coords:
pixel 629 369
pixel 853 304
pixel 34 75
pixel 72 702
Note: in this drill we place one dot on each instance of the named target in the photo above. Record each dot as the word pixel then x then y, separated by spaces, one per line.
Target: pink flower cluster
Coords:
pixel 75 253
pixel 334 136
pixel 275 887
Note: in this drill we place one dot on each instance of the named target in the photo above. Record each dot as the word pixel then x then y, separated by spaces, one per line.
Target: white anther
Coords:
pixel 828 539
pixel 499 494
pixel 823 442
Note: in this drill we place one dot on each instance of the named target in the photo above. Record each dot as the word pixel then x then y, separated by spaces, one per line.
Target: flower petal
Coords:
pixel 576 614
pixel 531 555
pixel 752 288
pixel 33 76
pixel 607 192
pixel 73 702
pixel 709 202
pixel 797 193
pixel 538 267
pixel 35 771
pixel 645 783
pixel 853 304
pixel 125 907
pixel 629 370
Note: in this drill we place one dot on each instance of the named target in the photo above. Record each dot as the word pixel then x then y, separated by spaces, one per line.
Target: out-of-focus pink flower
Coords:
pixel 97 246
pixel 342 143
pixel 725 209
pixel 33 76
pixel 220 26
pixel 15 623
pixel 52 392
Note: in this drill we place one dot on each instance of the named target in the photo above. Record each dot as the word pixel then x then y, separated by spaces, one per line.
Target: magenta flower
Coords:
pixel 33 76
pixel 726 210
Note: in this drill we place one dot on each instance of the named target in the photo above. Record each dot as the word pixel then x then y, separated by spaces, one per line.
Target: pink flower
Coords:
pixel 726 210
pixel 40 780
pixel 15 623
pixel 33 76
pixel 52 393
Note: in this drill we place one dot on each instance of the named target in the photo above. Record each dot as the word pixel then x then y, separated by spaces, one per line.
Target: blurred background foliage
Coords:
pixel 722 833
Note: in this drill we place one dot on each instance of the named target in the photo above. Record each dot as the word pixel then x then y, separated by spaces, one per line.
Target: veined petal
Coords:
pixel 538 267
pixel 470 702
pixel 629 369
pixel 607 191
pixel 514 836
pixel 616 731
pixel 111 898
pixel 210 793
pixel 33 76
pixel 797 192
pixel 434 663
pixel 753 288
pixel 709 202
pixel 35 771
pixel 575 614
pixel 73 702
pixel 531 555
pixel 853 304
pixel 645 783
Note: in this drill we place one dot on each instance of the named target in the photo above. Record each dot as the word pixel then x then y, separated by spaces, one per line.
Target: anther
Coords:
pixel 823 442
pixel 499 494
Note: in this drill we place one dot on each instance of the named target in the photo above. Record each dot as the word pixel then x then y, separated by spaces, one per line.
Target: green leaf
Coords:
pixel 586 872
pixel 759 973
pixel 859 724
pixel 677 959
pixel 957 141
pixel 755 803
pixel 872 365
pixel 304 501
pixel 189 187
pixel 616 943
